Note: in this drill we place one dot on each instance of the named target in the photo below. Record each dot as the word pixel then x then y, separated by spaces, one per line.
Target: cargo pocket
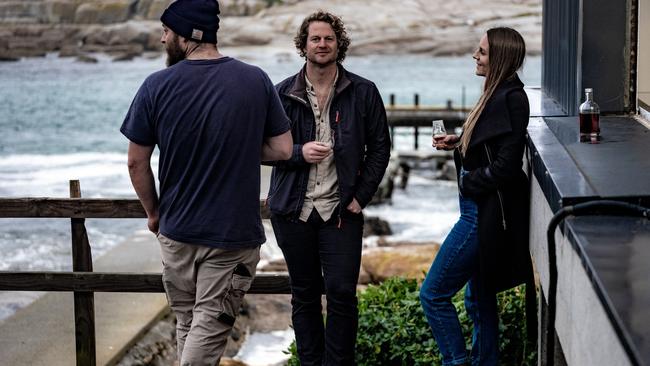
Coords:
pixel 241 282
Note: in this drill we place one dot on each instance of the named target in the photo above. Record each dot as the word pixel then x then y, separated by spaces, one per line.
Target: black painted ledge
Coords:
pixel 615 251
pixel 571 172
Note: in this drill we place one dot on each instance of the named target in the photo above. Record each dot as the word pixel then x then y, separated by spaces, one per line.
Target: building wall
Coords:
pixel 583 42
pixel 560 74
pixel 583 328
pixel 643 62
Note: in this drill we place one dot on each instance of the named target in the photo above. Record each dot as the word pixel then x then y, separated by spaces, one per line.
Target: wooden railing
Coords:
pixel 82 280
pixel 415 116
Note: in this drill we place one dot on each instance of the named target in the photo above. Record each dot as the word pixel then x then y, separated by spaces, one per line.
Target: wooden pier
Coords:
pixel 416 116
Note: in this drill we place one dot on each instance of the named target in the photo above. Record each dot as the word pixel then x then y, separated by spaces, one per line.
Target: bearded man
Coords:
pixel 213 119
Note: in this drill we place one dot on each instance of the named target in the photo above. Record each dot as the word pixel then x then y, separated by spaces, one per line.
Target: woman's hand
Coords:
pixel 448 142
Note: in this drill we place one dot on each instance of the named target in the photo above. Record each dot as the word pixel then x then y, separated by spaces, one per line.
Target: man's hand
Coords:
pixel 152 223
pixel 354 206
pixel 447 143
pixel 314 151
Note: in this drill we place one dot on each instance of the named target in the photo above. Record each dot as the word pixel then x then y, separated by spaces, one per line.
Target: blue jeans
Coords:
pixel 455 265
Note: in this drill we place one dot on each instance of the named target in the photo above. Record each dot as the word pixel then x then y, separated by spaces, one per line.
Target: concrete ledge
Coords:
pixel 582 325
pixel 43 332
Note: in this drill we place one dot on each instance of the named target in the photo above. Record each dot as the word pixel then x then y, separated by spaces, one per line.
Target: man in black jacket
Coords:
pixel 340 153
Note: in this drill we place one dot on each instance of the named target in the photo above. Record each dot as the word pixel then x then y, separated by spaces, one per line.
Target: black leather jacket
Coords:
pixel 362 148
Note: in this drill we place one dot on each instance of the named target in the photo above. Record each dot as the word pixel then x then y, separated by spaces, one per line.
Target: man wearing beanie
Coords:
pixel 213 119
pixel 340 152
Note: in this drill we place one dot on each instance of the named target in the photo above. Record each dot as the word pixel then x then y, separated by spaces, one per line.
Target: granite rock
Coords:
pixel 105 11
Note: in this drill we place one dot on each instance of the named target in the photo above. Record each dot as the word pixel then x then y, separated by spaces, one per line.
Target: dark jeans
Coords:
pixel 455 265
pixel 321 254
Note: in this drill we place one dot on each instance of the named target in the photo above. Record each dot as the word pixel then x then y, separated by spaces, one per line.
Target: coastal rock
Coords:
pixel 118 49
pixel 242 7
pixel 267 313
pixel 277 265
pixel 434 27
pixel 156 9
pixel 52 39
pixel 26 30
pixel 126 56
pixel 142 9
pixel 124 33
pixel 243 31
pixel 231 362
pixel 86 59
pixel 59 11
pixel 128 39
pixel 105 11
pixel 8 58
pixel 376 226
pixel 69 51
pixel 407 260
pixel 249 38
pixel 156 347
pixel 20 11
pixel 364 277
pixel 14 54
pixel 384 191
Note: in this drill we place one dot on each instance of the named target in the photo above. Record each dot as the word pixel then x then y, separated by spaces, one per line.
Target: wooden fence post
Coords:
pixel 416 136
pixel 84 303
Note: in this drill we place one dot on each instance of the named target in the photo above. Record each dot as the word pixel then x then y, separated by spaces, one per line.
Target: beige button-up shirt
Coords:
pixel 322 186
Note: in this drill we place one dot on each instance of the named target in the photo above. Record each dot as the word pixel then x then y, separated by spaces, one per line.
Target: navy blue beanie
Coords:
pixel 197 20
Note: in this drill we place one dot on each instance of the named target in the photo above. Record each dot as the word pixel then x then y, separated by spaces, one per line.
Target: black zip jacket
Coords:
pixel 361 151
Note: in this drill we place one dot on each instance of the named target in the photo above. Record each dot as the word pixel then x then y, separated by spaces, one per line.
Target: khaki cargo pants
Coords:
pixel 205 287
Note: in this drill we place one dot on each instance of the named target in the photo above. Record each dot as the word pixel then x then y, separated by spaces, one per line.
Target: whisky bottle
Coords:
pixel 589 118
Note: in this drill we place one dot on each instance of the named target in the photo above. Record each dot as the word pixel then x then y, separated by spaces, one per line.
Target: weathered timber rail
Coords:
pixel 82 281
pixel 411 116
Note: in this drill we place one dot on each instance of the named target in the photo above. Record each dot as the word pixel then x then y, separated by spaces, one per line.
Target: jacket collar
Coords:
pixel 495 118
pixel 298 90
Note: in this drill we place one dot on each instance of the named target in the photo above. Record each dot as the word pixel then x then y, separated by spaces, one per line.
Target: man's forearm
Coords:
pixel 271 154
pixel 145 187
pixel 277 147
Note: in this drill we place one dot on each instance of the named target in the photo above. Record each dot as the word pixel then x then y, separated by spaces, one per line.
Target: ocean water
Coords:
pixel 60 119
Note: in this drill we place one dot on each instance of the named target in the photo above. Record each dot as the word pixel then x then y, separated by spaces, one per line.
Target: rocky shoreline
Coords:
pixel 128 28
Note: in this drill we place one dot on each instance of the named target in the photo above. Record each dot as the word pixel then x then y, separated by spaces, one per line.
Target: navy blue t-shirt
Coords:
pixel 209 119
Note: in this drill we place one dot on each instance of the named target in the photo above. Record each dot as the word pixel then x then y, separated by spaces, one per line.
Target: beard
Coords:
pixel 174 52
pixel 321 63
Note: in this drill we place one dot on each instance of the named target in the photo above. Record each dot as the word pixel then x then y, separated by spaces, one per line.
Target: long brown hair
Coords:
pixel 506 54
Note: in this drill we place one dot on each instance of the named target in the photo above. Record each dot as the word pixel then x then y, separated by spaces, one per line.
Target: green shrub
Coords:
pixel 394 331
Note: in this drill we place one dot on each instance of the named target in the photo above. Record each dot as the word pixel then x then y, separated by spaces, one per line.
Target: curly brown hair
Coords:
pixel 342 39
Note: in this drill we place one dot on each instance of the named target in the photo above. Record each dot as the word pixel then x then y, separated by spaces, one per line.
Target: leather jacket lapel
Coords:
pixel 495 119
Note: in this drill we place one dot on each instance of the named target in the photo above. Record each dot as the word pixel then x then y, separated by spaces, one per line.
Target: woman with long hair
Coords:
pixel 487 249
